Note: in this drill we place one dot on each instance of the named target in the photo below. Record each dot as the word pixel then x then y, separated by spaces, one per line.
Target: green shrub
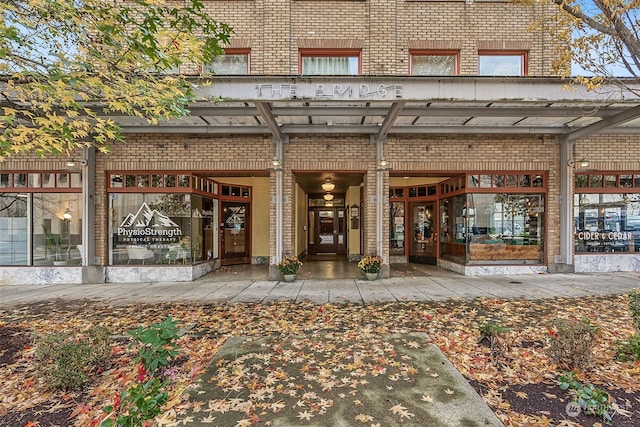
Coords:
pixel 496 336
pixel 137 404
pixel 592 400
pixel 628 350
pixel 634 306
pixel 490 328
pixel 159 344
pixel 67 359
pixel 571 343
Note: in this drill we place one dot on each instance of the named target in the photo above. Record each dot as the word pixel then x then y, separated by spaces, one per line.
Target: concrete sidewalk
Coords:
pixel 231 289
pixel 455 404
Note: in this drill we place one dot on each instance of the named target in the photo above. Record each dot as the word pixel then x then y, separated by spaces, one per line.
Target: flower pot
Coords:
pixel 371 276
pixel 289 277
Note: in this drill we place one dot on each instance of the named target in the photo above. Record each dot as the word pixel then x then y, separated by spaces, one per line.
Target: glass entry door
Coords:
pixel 327 232
pixel 235 233
pixel 424 233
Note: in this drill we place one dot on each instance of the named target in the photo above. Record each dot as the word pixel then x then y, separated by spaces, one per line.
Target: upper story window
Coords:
pixel 434 63
pixel 329 62
pixel 500 63
pixel 233 62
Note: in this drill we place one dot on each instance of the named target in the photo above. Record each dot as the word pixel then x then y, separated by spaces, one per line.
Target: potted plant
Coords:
pixel 370 265
pixel 56 247
pixel 289 267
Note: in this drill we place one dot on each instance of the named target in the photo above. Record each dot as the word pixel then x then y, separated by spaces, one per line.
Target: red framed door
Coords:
pixel 424 234
pixel 235 233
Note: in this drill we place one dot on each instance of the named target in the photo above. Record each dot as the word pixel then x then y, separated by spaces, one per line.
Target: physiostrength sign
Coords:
pixel 127 232
pixel 149 224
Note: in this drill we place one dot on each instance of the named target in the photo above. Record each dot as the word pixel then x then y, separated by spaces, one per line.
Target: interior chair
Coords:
pixel 139 254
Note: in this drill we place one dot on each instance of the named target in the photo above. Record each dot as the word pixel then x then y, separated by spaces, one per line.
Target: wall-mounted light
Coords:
pixel 580 164
pixel 67 214
pixel 328 197
pixel 383 165
pixel 328 185
pixel 276 165
pixel 71 163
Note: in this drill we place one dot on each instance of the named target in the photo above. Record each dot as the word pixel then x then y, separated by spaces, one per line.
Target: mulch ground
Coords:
pixel 518 382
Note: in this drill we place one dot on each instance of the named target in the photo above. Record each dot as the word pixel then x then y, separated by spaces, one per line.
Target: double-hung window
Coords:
pixel 501 63
pixel 314 62
pixel 434 63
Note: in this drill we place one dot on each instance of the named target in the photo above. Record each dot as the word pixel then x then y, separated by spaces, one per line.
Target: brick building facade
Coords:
pixel 437 154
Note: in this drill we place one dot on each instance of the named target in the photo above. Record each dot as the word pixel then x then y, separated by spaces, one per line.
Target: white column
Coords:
pixel 88 166
pixel 277 167
pixel 566 202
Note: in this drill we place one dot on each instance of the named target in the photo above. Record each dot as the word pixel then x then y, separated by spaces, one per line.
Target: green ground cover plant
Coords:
pixel 67 359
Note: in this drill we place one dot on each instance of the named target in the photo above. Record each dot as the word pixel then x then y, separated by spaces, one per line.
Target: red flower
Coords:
pixel 142 373
pixel 116 401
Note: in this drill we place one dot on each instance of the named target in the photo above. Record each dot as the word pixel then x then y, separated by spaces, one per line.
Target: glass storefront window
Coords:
pixel 13 229
pixel 493 228
pixel 184 181
pixel 626 181
pixel 396 229
pixel 57 228
pixel 606 223
pixel 162 228
pixel 512 181
pixel 610 181
pixel 62 180
pixel 20 180
pixel 595 181
pixel 453 229
pixel 34 180
pixel 40 228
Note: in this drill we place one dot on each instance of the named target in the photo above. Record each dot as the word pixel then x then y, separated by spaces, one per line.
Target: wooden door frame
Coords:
pixel 341 249
pixel 411 256
pixel 246 257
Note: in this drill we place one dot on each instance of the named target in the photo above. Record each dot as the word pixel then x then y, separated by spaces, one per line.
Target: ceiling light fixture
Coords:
pixel 328 197
pixel 328 185
pixel 67 214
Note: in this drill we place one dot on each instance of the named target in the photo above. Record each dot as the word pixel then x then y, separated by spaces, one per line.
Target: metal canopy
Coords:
pixel 381 106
